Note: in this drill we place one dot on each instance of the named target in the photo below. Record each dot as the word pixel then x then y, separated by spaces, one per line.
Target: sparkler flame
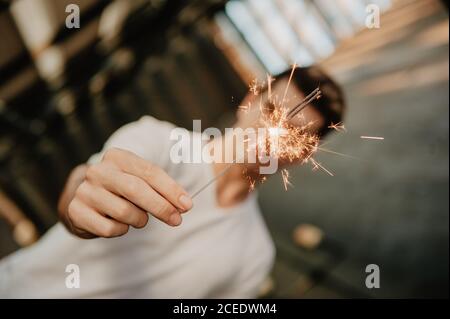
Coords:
pixel 284 141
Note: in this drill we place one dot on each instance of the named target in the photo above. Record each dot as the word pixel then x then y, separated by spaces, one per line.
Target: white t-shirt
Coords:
pixel 215 253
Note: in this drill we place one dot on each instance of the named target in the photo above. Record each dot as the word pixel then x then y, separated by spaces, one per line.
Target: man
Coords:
pixel 152 239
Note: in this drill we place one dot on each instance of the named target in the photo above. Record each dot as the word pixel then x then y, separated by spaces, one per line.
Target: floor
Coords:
pixel 388 201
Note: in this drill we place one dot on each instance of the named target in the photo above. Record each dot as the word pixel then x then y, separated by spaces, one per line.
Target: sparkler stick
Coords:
pixel 318 165
pixel 212 180
pixel 314 95
pixel 285 177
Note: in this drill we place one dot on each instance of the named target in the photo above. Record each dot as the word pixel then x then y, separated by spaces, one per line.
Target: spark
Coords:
pixel 372 137
pixel 294 66
pixel 270 79
pixel 285 177
pixel 261 106
pixel 317 165
pixel 284 141
pixel 336 153
pixel 254 87
pixel 252 184
pixel 338 127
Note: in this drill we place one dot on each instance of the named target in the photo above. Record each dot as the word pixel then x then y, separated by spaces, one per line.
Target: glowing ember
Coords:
pixel 252 184
pixel 372 137
pixel 285 177
pixel 254 87
pixel 284 141
pixel 338 127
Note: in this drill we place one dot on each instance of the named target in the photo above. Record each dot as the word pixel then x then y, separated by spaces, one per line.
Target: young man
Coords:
pixel 152 240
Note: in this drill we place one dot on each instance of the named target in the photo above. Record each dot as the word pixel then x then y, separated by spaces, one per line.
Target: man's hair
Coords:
pixel 332 103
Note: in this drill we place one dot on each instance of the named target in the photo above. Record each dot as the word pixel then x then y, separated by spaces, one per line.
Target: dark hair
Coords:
pixel 332 104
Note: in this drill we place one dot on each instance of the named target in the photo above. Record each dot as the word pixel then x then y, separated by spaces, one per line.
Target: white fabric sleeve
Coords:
pixel 148 138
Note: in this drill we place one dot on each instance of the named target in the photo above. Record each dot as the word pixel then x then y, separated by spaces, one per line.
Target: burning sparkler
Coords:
pixel 284 141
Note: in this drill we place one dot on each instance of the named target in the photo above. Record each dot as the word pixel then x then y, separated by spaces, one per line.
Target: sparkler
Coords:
pixel 297 144
pixel 293 142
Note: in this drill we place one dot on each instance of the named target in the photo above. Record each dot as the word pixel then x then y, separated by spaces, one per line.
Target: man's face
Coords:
pixel 247 117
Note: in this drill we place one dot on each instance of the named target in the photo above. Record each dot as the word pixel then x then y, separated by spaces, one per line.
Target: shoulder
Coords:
pixel 145 125
pixel 147 137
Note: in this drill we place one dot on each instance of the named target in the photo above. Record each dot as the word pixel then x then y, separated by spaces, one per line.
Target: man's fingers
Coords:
pixel 156 177
pixel 167 187
pixel 85 218
pixel 110 204
pixel 138 192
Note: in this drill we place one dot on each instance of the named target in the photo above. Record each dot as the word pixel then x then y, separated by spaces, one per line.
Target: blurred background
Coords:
pixel 64 91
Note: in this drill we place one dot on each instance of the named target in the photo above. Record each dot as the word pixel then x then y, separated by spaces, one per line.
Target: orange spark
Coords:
pixel 372 137
pixel 317 165
pixel 294 66
pixel 270 79
pixel 338 127
pixel 285 177
pixel 254 87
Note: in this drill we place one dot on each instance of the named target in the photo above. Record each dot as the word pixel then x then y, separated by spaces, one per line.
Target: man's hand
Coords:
pixel 104 199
